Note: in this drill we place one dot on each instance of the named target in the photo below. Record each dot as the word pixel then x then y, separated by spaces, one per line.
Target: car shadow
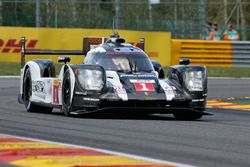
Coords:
pixel 123 116
pixel 112 116
pixel 145 117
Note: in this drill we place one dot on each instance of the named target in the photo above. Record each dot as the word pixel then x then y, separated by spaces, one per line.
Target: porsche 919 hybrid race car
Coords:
pixel 115 76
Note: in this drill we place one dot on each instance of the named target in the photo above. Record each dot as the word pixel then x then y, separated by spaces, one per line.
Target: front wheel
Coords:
pixel 66 94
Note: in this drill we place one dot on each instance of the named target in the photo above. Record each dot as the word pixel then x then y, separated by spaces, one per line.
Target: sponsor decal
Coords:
pixel 55 91
pixel 38 88
pixel 169 88
pixel 138 75
pixel 90 99
pixel 14 45
pixel 143 85
pixel 142 80
pixel 80 93
pixel 119 88
pixel 197 100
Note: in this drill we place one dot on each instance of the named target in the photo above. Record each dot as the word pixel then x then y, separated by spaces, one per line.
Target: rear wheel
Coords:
pixel 27 93
pixel 66 94
pixel 187 116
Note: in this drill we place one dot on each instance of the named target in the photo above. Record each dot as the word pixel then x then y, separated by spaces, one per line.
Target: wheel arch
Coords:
pixel 158 68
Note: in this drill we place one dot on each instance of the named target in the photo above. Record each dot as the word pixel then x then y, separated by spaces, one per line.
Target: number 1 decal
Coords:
pixel 143 85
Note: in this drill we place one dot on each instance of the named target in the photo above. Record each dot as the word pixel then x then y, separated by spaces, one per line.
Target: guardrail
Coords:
pixel 212 53
pixel 241 53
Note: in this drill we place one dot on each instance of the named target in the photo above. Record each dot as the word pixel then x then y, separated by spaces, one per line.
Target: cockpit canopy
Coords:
pixel 121 61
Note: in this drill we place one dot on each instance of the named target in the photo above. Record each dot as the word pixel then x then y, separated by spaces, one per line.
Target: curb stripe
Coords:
pixel 51 154
pixel 8 159
pixel 13 145
pixel 125 166
pixel 227 105
pixel 56 161
pixel 9 139
pixel 49 151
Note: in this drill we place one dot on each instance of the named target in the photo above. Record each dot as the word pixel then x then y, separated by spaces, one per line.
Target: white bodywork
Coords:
pixel 46 90
pixel 169 90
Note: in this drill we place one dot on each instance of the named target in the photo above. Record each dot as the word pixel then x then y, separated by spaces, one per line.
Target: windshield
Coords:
pixel 126 63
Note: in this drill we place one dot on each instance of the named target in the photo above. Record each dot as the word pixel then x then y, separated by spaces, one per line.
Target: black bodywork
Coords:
pixel 144 101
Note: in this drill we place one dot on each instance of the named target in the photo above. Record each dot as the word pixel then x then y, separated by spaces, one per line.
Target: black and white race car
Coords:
pixel 115 76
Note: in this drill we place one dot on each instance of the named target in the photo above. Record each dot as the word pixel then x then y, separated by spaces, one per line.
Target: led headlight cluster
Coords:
pixel 194 80
pixel 91 79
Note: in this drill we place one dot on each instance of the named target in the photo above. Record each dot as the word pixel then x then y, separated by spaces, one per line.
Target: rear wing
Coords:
pixel 88 44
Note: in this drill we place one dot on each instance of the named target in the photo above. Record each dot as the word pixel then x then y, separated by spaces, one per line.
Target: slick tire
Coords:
pixel 66 94
pixel 187 116
pixel 27 93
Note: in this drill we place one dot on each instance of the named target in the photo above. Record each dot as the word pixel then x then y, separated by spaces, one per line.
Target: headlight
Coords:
pixel 194 80
pixel 91 79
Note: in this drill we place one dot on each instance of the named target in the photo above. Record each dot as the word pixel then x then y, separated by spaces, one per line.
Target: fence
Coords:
pixel 184 19
pixel 212 53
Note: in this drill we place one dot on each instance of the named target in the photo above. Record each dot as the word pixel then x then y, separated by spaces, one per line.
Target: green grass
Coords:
pixel 245 100
pixel 228 72
pixel 240 101
pixel 9 68
pixel 14 69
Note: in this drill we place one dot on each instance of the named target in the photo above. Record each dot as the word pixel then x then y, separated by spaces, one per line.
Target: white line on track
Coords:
pixel 106 151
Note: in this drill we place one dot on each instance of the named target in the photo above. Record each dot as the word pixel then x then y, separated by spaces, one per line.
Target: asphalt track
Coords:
pixel 219 140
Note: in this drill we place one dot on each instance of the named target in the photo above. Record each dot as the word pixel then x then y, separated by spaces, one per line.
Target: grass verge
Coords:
pixel 14 68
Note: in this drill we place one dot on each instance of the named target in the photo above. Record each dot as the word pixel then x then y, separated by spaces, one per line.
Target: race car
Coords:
pixel 115 76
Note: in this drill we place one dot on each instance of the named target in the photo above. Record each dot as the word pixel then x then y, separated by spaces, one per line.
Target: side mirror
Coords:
pixel 158 68
pixel 184 61
pixel 64 60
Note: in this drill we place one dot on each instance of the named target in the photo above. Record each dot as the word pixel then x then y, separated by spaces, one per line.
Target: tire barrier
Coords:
pixel 241 53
